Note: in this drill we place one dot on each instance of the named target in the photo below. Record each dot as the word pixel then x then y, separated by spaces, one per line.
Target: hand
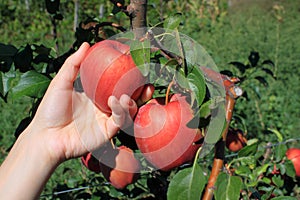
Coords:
pixel 66 125
pixel 70 122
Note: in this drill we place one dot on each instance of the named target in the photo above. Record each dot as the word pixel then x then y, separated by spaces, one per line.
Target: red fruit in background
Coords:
pixel 235 140
pixel 108 69
pixel 90 162
pixel 293 154
pixel 162 134
pixel 119 166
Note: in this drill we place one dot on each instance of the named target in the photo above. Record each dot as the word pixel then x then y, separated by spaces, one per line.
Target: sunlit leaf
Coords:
pixel 31 84
pixel 140 52
pixel 173 22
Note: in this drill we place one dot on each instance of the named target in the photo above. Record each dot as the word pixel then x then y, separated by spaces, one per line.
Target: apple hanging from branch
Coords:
pixel 108 69
pixel 119 166
pixel 162 134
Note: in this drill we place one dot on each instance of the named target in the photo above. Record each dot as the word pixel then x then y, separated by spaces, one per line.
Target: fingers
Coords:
pixel 70 68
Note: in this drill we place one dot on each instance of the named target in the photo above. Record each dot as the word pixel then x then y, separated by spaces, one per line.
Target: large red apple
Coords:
pixel 293 154
pixel 162 134
pixel 108 69
pixel 235 140
pixel 119 166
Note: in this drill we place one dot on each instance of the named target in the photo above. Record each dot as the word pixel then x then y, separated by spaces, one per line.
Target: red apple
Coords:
pixel 293 154
pixel 90 162
pixel 108 69
pixel 235 140
pixel 119 166
pixel 162 134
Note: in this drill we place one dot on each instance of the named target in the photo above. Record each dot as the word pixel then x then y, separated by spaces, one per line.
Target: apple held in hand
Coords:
pixel 293 154
pixel 108 69
pixel 235 140
pixel 162 134
pixel 119 166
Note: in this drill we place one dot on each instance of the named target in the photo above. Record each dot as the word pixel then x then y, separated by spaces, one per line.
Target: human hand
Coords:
pixel 69 123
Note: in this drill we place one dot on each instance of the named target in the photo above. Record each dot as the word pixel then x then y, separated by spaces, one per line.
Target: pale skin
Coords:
pixel 66 125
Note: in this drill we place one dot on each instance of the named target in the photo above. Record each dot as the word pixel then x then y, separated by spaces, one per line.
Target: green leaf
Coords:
pixel 228 187
pixel 290 169
pixel 277 133
pixel 280 152
pixel 197 84
pixel 205 109
pixel 187 184
pixel 260 170
pixel 248 150
pixel 31 84
pixel 173 22
pixel 278 181
pixel 140 52
pixel 6 81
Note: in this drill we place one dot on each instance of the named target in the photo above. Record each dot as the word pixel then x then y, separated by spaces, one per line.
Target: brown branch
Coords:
pixel 232 92
pixel 137 10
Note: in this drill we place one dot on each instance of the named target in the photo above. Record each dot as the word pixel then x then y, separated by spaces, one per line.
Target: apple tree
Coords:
pixel 180 142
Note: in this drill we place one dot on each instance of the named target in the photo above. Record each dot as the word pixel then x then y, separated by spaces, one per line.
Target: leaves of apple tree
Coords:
pixel 188 183
pixel 140 52
pixel 7 53
pixel 173 22
pixel 197 85
pixel 248 150
pixel 6 81
pixel 228 187
pixel 32 84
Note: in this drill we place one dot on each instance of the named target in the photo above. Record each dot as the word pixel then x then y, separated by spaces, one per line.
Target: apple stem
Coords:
pixel 168 92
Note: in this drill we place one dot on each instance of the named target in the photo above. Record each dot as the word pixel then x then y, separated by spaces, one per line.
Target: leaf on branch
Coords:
pixel 228 187
pixel 140 52
pixel 7 53
pixel 173 22
pixel 52 6
pixel 187 184
pixel 197 85
pixel 268 71
pixel 253 58
pixel 240 66
pixel 23 59
pixel 262 80
pixel 32 84
pixel 268 62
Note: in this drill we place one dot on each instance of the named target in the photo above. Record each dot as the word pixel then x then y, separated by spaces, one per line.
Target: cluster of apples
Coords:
pixel 160 129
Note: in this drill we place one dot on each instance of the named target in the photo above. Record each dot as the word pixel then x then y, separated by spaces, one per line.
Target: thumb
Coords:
pixel 70 68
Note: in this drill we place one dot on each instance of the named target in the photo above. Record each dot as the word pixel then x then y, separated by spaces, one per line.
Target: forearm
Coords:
pixel 26 169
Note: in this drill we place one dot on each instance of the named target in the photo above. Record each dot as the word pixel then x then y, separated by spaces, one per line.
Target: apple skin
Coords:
pixel 235 140
pixel 108 69
pixel 90 162
pixel 162 134
pixel 293 154
pixel 119 166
